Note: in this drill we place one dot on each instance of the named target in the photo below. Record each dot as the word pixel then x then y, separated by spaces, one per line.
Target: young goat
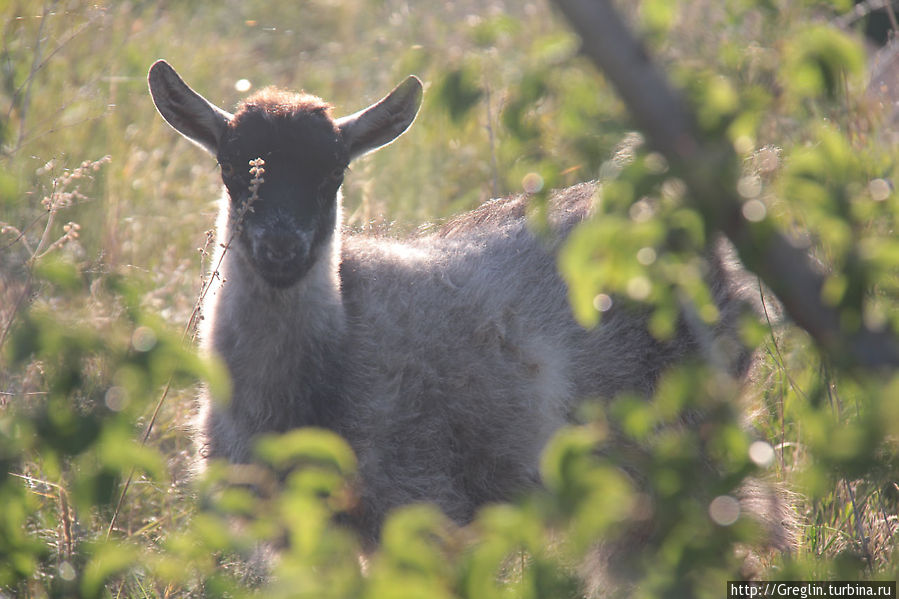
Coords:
pixel 446 360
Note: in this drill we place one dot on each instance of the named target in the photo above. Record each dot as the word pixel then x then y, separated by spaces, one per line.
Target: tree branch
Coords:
pixel 710 170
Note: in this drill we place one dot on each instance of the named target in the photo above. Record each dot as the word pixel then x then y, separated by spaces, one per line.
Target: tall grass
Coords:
pixel 104 241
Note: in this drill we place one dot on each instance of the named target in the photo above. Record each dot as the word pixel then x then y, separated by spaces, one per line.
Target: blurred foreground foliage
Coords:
pixel 96 283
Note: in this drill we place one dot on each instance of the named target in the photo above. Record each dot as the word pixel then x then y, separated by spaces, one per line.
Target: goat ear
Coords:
pixel 383 122
pixel 192 115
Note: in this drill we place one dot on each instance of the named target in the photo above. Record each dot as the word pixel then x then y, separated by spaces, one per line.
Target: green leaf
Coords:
pixel 459 92
pixel 818 60
pixel 107 560
pixel 307 446
pixel 60 271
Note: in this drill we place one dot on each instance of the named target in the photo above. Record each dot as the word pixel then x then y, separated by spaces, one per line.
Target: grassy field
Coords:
pixel 104 221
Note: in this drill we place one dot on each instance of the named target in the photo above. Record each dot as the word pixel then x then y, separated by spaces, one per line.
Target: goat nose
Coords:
pixel 279 249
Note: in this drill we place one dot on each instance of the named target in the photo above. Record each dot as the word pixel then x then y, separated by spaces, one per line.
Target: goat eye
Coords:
pixel 227 169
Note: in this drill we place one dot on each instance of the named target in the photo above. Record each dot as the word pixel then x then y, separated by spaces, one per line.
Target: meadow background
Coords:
pixel 104 220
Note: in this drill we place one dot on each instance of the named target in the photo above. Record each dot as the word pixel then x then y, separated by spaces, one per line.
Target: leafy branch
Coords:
pixel 710 169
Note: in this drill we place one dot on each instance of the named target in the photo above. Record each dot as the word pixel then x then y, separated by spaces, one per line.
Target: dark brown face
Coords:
pixel 304 153
pixel 295 212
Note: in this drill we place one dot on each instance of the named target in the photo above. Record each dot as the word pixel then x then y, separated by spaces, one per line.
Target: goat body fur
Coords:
pixel 447 360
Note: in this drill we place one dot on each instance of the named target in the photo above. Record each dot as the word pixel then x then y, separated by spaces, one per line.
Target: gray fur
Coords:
pixel 447 360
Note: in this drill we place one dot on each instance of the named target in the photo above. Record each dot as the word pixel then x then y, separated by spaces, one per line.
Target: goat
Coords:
pixel 446 360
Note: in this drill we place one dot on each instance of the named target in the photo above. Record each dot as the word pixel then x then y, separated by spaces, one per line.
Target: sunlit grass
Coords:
pixel 105 214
